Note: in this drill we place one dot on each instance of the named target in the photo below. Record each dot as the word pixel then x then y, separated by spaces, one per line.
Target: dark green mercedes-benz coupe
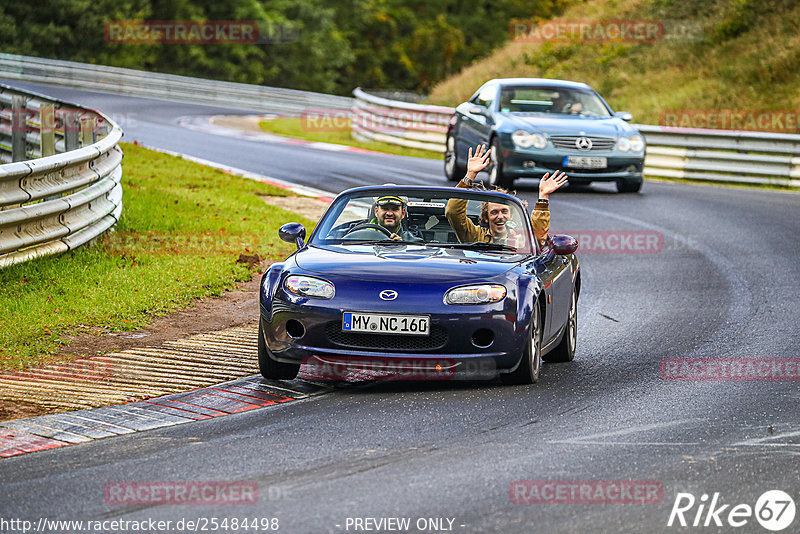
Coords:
pixel 534 126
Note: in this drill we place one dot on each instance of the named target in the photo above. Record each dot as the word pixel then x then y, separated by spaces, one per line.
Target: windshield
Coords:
pixel 556 100
pixel 450 220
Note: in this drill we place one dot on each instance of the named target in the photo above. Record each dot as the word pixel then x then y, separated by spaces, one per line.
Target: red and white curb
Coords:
pixel 58 430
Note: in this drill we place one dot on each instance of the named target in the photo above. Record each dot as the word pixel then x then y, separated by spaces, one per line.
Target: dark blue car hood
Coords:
pixel 404 263
pixel 566 124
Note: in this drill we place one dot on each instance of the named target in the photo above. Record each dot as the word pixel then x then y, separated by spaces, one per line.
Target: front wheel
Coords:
pixel 453 169
pixel 629 185
pixel 565 351
pixel 497 177
pixel 527 372
pixel 268 367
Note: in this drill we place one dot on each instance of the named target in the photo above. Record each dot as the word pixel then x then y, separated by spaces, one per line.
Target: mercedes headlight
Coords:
pixel 634 143
pixel 477 294
pixel 637 143
pixel 308 286
pixel 525 139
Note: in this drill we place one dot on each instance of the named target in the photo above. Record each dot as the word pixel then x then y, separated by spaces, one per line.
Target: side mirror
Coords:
pixel 564 245
pixel 478 110
pixel 293 233
pixel 624 115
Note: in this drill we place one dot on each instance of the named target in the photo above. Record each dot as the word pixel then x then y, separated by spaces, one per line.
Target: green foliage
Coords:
pixel 332 46
pixel 714 55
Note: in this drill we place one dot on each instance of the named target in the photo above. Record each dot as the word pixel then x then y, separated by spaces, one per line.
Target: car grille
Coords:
pixel 567 142
pixel 436 339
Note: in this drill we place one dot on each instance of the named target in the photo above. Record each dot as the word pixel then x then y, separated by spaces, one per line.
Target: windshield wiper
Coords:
pixel 477 245
pixel 373 242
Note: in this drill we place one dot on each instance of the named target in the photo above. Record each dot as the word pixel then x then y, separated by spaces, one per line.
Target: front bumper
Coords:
pixel 300 333
pixel 533 163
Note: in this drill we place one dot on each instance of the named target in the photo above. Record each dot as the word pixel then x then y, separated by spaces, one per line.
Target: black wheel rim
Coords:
pixel 450 157
pixel 573 325
pixel 536 357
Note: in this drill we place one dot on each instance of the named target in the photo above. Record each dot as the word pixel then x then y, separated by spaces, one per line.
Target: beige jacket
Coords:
pixel 466 230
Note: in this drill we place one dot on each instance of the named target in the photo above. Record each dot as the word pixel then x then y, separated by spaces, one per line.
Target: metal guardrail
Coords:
pixel 71 193
pixel 165 86
pixel 399 123
pixel 682 153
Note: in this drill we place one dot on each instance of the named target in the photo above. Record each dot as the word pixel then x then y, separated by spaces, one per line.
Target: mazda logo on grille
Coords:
pixel 583 143
pixel 388 294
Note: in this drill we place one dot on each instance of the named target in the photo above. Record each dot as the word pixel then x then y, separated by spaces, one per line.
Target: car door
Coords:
pixel 554 273
pixel 476 127
pixel 561 292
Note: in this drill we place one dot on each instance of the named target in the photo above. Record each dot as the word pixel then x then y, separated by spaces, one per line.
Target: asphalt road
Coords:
pixel 722 282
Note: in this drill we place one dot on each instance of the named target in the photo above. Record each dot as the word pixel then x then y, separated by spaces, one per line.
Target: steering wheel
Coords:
pixel 368 226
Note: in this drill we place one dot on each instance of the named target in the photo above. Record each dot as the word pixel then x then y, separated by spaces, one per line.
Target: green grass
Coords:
pixel 745 56
pixel 183 227
pixel 299 128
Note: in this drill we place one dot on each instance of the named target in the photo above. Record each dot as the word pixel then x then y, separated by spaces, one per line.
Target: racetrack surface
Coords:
pixel 723 283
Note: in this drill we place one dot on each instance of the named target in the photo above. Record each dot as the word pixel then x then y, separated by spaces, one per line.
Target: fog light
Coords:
pixel 482 338
pixel 295 328
pixel 529 164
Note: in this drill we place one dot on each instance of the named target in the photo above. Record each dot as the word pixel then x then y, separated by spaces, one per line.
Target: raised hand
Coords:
pixel 548 183
pixel 478 162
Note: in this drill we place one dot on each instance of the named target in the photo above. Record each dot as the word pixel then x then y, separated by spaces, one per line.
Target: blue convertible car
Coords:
pixel 535 126
pixel 417 299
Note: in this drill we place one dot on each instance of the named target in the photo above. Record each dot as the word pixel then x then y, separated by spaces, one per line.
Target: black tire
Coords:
pixel 270 368
pixel 497 178
pixel 527 372
pixel 565 351
pixel 629 185
pixel 453 169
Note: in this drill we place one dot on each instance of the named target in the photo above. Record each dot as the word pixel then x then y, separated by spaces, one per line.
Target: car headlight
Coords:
pixel 525 139
pixel 307 286
pixel 478 294
pixel 637 143
pixel 623 144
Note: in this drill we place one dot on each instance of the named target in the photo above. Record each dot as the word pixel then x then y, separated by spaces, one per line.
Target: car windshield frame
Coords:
pixel 355 204
pixel 583 95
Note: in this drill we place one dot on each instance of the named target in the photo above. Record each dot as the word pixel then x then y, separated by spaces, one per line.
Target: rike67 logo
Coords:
pixel 774 510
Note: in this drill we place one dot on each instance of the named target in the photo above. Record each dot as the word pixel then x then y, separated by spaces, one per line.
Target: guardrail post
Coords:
pixel 71 130
pixel 19 125
pixel 87 131
pixel 47 129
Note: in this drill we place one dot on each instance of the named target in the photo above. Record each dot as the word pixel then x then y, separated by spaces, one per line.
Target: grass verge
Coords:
pixel 740 56
pixel 182 229
pixel 295 127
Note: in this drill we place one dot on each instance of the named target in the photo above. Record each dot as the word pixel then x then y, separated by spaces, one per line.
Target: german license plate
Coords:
pixel 386 323
pixel 585 162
